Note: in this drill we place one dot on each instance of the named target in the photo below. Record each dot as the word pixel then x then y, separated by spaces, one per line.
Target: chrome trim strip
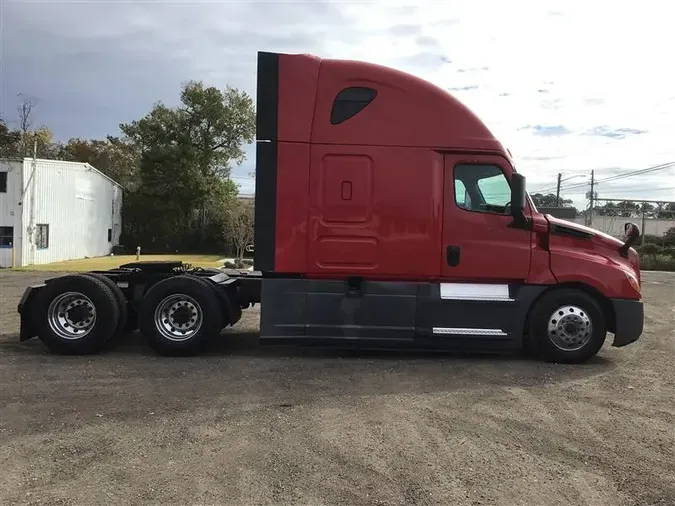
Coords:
pixel 470 332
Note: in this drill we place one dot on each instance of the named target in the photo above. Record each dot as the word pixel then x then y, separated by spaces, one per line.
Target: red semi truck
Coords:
pixel 386 215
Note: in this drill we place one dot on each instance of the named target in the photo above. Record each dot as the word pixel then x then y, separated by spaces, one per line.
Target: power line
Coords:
pixel 649 190
pixel 639 172
pixel 616 177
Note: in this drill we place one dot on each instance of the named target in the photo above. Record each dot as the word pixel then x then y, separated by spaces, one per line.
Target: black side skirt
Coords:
pixel 391 314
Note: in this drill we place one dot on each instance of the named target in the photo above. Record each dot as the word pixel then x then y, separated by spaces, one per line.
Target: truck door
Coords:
pixel 481 300
pixel 478 244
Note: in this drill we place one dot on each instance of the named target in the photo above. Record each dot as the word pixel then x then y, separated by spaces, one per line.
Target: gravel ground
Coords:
pixel 248 425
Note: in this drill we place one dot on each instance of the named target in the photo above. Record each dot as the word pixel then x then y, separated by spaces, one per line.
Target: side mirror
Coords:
pixel 632 232
pixel 518 194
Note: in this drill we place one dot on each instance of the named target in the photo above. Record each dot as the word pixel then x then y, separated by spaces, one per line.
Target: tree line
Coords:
pixel 625 208
pixel 174 164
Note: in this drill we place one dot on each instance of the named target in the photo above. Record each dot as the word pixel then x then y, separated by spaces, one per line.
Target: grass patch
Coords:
pixel 105 263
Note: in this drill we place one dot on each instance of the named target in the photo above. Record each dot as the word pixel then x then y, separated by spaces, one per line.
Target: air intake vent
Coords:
pixel 557 229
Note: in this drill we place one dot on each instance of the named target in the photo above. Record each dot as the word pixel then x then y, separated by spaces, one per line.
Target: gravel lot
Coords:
pixel 248 425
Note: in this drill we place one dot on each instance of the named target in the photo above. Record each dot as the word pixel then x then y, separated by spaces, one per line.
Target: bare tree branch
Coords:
pixel 241 227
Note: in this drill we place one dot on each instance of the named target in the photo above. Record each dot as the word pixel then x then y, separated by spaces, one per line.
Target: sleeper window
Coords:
pixel 349 102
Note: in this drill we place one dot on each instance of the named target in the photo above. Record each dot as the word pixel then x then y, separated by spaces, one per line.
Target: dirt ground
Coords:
pixel 245 425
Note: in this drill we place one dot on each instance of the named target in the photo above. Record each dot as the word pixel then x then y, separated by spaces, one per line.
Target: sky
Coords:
pixel 568 86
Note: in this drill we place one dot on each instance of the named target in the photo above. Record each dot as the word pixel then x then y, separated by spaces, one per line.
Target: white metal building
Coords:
pixel 52 211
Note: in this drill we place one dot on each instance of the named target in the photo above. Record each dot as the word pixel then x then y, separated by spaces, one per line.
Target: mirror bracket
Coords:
pixel 521 222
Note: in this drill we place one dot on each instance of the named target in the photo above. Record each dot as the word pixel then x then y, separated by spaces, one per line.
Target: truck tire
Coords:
pixel 179 315
pixel 76 315
pixel 566 326
pixel 226 309
pixel 119 297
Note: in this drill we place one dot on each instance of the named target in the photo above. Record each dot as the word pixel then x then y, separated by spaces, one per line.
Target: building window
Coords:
pixel 485 188
pixel 6 237
pixel 110 235
pixel 42 236
pixel 349 102
pixel 3 182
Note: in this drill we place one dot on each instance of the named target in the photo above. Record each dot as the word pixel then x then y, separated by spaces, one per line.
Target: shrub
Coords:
pixel 657 263
pixel 649 249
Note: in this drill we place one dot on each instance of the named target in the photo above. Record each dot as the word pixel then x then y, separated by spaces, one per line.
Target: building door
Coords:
pixel 6 246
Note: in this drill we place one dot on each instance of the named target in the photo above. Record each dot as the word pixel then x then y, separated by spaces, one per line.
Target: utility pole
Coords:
pixel 31 216
pixel 644 220
pixel 590 213
pixel 557 192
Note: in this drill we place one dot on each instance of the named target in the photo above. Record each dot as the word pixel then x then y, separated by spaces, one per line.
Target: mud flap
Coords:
pixel 26 309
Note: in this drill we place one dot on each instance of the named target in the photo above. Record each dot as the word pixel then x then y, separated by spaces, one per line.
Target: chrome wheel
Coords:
pixel 178 317
pixel 71 315
pixel 570 328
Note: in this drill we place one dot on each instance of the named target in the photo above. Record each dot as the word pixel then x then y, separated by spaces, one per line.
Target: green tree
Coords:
pixel 549 200
pixel 114 157
pixel 185 156
pixel 10 141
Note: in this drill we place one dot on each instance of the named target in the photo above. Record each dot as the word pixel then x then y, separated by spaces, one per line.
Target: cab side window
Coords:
pixel 462 197
pixel 481 188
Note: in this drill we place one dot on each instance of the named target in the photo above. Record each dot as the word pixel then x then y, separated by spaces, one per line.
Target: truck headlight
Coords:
pixel 633 281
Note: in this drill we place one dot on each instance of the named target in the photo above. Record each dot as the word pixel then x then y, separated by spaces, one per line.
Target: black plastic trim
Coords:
pixel 376 314
pixel 629 321
pixel 267 99
pixel 557 229
pixel 267 124
pixel 265 206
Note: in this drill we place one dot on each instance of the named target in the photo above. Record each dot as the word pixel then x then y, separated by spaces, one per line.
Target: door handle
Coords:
pixel 452 256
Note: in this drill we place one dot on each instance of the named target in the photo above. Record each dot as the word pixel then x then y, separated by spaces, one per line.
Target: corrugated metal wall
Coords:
pixel 10 212
pixel 78 203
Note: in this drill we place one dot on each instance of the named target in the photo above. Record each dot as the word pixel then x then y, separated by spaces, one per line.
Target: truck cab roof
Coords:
pixel 303 98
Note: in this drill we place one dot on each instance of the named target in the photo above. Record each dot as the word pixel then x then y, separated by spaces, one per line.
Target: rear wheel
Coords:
pixel 179 315
pixel 566 326
pixel 76 314
pixel 119 297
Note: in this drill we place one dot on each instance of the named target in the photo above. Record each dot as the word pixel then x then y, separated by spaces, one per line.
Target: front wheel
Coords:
pixel 566 326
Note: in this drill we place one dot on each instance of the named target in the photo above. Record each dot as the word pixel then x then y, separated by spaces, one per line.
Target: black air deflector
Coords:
pixel 267 99
pixel 267 126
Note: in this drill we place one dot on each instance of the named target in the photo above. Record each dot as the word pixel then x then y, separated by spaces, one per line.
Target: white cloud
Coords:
pixel 567 85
